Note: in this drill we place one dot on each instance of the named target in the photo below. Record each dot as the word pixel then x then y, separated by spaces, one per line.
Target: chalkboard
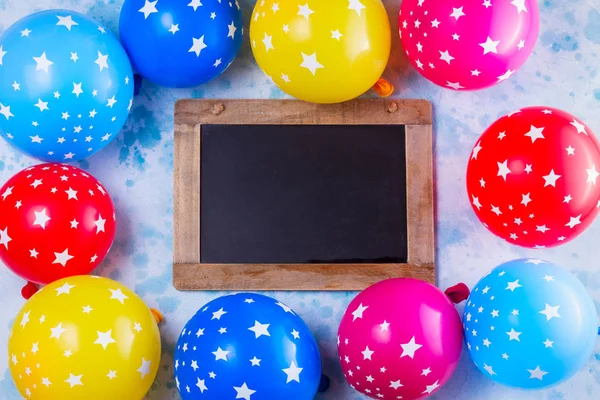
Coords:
pixel 286 195
pixel 310 194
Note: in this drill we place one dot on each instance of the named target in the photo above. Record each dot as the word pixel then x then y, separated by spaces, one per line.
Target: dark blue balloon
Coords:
pixel 181 43
pixel 66 86
pixel 247 346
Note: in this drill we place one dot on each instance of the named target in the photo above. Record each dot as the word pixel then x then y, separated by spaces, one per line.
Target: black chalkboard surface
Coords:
pixel 303 194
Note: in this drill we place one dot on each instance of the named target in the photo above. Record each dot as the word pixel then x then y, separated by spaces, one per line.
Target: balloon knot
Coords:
pixel 383 88
pixel 137 84
pixel 158 317
pixel 29 290
pixel 458 293
pixel 324 384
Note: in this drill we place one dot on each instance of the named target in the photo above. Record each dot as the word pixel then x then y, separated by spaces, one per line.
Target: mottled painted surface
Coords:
pixel 137 170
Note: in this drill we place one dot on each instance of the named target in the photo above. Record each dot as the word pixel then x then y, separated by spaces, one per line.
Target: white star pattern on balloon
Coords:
pixel 149 8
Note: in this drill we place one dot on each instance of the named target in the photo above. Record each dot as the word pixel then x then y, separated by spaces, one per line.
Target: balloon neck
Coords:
pixel 324 384
pixel 29 290
pixel 458 293
pixel 137 84
pixel 158 317
pixel 383 88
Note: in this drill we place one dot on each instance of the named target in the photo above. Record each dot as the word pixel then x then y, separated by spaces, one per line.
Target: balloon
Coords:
pixel 67 86
pixel 530 324
pixel 532 177
pixel 84 337
pixel 178 43
pixel 247 346
pixel 324 51
pixel 468 45
pixel 55 221
pixel 399 338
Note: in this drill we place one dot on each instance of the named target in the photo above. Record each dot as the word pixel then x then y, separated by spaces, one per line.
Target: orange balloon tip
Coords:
pixel 383 88
pixel 158 317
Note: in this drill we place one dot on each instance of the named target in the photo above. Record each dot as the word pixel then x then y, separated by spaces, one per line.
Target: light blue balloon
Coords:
pixel 530 324
pixel 66 86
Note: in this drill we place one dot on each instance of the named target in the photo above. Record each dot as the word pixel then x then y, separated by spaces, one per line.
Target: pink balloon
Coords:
pixel 468 44
pixel 400 337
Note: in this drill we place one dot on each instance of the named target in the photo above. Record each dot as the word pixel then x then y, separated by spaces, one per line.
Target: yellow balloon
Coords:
pixel 84 337
pixel 322 51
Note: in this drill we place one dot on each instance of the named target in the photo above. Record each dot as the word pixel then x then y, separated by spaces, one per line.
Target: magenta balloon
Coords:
pixel 400 337
pixel 471 45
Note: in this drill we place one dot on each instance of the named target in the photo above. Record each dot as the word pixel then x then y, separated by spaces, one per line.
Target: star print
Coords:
pixel 486 343
pixel 384 326
pixel 42 63
pixel 36 139
pixel 243 392
pixel 548 343
pixel 548 278
pixel 513 335
pixel 267 41
pixel 513 285
pixel 305 11
pixel 260 329
pixel 592 175
pixel 74 380
pixel 446 56
pixel 145 368
pixel 111 374
pixel 395 384
pixel 174 28
pixel 149 8
pixel 476 150
pixel 409 349
pixel 74 57
pixel 494 313
pixel 212 375
pixel 550 312
pixel 118 295
pixel 218 314
pixel 5 110
pixel 489 369
pixel 194 365
pixel 66 22
pixel 7 193
pixel 336 35
pixel 198 46
pixel 57 331
pixel 33 253
pixel 535 133
pixel 457 13
pixel 496 210
pixel 72 194
pixel 455 37
pixel 220 354
pixel 570 151
pixel 454 85
pixel 310 62
pixel 87 309
pixel 431 388
pixel 4 238
pixel 296 334
pixel 426 371
pixel 42 105
pixel 255 362
pixel 232 30
pixel 521 45
pixel 102 61
pixel 111 102
pixel 574 221
pixel 46 382
pixel 104 338
pixel 435 23
pixel 200 384
pixel 293 373
pixel 16 86
pixel 503 169
pixel 490 46
pixel 520 5
pixel 62 258
pixel 358 313
pixel 41 218
pixel 506 75
pixel 551 178
pixel 367 353
pixel 536 373
pixel 579 126
pixel 356 5
pixel 217 63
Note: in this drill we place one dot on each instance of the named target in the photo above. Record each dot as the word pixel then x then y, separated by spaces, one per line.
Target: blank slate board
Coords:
pixel 286 195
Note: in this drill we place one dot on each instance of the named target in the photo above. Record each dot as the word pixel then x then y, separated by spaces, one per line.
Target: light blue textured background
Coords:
pixel 137 170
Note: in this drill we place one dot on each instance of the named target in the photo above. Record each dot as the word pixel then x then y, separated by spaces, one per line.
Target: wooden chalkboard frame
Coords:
pixel 188 271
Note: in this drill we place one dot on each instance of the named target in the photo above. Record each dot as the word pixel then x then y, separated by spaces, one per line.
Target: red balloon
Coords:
pixel 533 177
pixel 400 338
pixel 55 221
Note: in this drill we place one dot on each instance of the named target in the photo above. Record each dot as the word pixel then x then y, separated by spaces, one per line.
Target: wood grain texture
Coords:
pixel 190 115
pixel 419 194
pixel 186 197
pixel 299 277
pixel 294 112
